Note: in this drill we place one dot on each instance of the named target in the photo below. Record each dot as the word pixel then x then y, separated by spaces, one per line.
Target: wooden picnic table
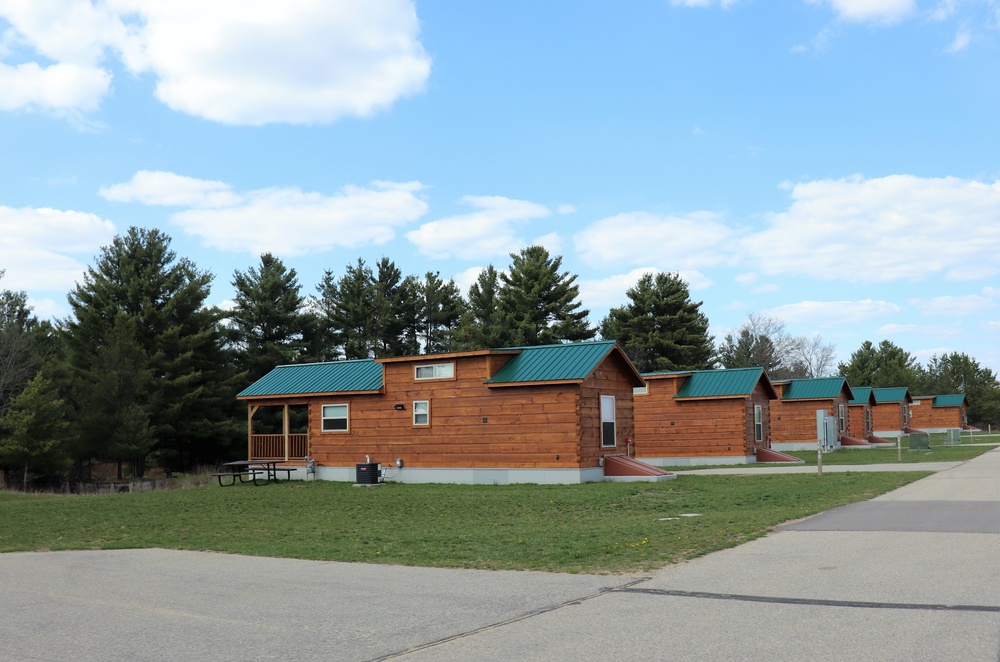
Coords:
pixel 251 470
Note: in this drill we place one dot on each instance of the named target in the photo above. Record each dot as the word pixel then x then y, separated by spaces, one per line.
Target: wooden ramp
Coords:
pixel 617 467
pixel 771 455
pixel 876 441
pixel 854 441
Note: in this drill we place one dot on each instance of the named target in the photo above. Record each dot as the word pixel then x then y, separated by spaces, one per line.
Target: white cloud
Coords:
pixel 249 62
pixel 611 291
pixel 870 11
pixel 829 313
pixel 961 41
pixel 490 231
pixel 693 241
pixel 465 279
pixel 953 306
pixel 898 227
pixel 48 308
pixel 284 221
pixel 39 245
pixel 166 188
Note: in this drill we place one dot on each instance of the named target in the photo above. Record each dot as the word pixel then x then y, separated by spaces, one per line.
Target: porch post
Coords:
pixel 250 411
pixel 284 427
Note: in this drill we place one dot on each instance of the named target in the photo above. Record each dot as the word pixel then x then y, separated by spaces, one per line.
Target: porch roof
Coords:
pixel 363 375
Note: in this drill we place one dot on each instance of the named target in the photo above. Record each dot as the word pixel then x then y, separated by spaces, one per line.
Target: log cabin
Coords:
pixel 939 413
pixel 547 414
pixel 859 417
pixel 793 415
pixel 891 413
pixel 703 416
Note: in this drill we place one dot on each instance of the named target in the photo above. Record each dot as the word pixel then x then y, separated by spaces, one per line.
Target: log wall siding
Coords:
pixel 794 421
pixel 607 379
pixel 531 426
pixel 924 415
pixel 889 416
pixel 856 421
pixel 665 427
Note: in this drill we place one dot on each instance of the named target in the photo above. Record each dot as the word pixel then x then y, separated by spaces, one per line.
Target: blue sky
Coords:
pixel 832 163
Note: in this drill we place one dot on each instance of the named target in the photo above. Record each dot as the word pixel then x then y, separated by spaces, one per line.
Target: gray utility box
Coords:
pixel 919 441
pixel 367 473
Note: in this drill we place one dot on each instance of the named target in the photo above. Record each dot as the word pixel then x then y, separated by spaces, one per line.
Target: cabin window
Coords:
pixel 608 435
pixel 435 371
pixel 843 418
pixel 421 412
pixel 640 390
pixel 758 423
pixel 335 418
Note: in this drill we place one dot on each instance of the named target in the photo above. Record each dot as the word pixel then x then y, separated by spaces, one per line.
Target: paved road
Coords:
pixel 911 575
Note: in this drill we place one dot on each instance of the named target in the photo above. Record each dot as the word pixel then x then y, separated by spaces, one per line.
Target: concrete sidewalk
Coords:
pixel 911 575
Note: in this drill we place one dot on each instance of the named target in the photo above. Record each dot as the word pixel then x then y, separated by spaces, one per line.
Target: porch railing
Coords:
pixel 272 447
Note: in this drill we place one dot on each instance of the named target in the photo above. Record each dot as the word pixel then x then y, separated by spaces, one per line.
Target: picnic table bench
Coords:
pixel 250 471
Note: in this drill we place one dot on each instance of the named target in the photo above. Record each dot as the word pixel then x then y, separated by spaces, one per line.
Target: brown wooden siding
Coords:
pixel 889 416
pixel 471 425
pixel 925 415
pixel 794 421
pixel 665 427
pixel 856 424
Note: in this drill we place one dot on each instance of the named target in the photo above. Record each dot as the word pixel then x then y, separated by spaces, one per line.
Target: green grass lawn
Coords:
pixel 846 455
pixel 590 528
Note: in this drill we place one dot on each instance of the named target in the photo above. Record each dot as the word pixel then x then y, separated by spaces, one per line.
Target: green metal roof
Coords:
pixel 732 382
pixel 950 400
pixel 821 388
pixel 862 395
pixel 891 394
pixel 552 363
pixel 332 377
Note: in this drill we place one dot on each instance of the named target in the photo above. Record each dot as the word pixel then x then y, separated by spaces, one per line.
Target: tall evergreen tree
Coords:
pixel 35 433
pixel 344 306
pixel 883 366
pixel 957 372
pixel 484 323
pixel 143 302
pixel 19 355
pixel 269 323
pixel 661 328
pixel 441 308
pixel 763 341
pixel 370 314
pixel 541 301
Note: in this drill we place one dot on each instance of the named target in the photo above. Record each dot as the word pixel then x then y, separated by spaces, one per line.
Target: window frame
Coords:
pixel 640 390
pixel 427 413
pixel 613 421
pixel 434 369
pixel 758 423
pixel 324 418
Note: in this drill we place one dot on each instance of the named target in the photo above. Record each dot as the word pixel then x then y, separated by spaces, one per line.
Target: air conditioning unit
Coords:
pixel 367 473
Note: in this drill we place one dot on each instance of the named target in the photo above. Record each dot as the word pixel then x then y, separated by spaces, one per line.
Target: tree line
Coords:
pixel 144 370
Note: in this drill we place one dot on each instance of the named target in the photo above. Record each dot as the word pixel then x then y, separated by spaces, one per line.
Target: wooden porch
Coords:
pixel 281 447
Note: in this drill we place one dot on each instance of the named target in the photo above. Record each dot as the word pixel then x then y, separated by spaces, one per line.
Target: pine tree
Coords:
pixel 140 300
pixel 441 308
pixel 35 433
pixel 19 353
pixel 344 306
pixel 661 328
pixel 370 314
pixel 270 325
pixel 542 302
pixel 884 366
pixel 484 323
